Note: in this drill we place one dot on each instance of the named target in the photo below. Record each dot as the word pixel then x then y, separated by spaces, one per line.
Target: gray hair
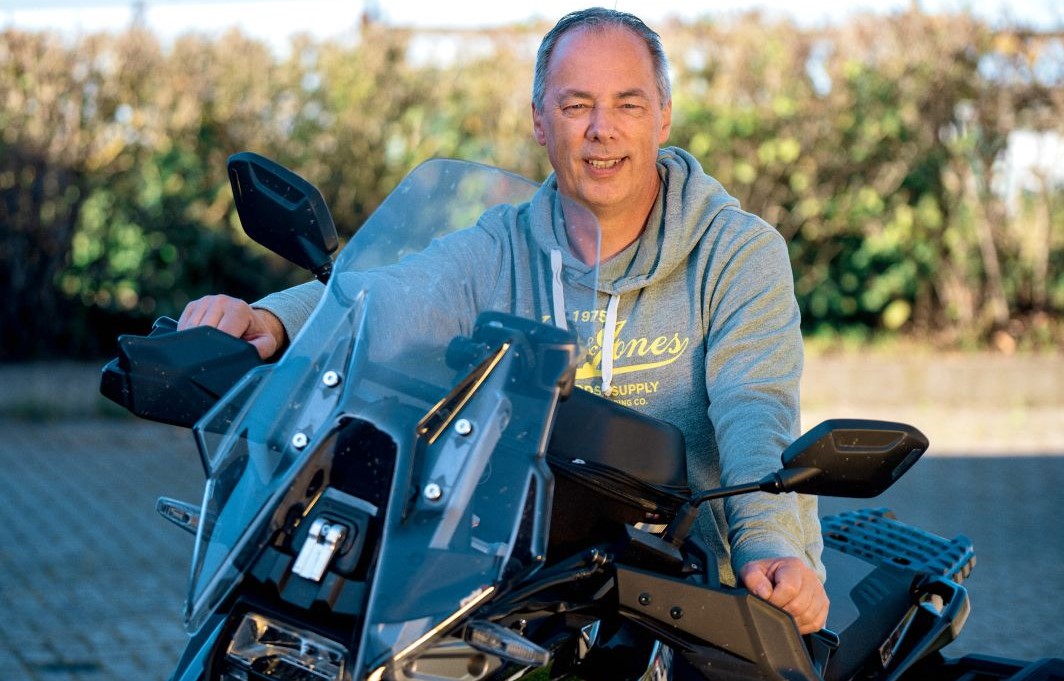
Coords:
pixel 600 19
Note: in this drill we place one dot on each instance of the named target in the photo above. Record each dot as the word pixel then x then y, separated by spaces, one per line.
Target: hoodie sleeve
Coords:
pixel 753 370
pixel 292 306
pixel 435 292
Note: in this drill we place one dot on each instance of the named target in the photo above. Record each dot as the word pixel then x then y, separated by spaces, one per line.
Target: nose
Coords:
pixel 601 124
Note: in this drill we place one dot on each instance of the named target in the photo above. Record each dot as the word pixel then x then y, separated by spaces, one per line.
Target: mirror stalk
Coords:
pixel 323 273
pixel 787 479
pixel 780 482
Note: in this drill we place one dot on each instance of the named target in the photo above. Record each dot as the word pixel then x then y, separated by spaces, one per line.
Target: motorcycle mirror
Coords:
pixel 283 212
pixel 856 458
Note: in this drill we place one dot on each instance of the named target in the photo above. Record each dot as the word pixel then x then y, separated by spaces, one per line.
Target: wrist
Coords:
pixel 270 324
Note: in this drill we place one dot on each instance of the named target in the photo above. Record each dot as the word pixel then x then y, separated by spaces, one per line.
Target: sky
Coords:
pixel 276 20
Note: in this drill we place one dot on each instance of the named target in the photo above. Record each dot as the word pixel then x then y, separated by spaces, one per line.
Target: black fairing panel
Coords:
pixel 599 431
pixel 867 603
pixel 700 621
pixel 612 467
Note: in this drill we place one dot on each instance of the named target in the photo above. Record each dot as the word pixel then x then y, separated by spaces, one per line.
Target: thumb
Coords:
pixel 266 345
pixel 265 332
pixel 757 582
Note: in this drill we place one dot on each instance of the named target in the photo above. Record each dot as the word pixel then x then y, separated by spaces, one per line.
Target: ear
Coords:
pixel 537 127
pixel 666 123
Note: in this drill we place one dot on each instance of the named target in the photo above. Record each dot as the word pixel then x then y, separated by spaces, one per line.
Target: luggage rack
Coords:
pixel 877 536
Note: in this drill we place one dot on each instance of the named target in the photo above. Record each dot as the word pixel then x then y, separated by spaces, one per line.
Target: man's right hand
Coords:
pixel 235 317
pixel 789 584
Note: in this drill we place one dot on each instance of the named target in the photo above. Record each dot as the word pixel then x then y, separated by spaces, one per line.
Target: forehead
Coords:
pixel 611 55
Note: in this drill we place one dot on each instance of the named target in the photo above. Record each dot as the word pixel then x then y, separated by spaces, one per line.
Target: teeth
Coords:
pixel 603 164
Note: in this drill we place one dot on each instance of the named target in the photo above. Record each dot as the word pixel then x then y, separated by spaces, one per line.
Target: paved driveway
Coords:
pixel 92 581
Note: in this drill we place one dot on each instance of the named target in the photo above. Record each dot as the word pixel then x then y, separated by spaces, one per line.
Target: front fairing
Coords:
pixel 460 502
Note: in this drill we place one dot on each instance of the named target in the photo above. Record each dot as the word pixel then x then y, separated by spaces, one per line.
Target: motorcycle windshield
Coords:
pixel 454 240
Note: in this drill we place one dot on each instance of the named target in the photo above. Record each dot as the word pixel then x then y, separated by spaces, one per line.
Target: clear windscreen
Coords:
pixel 452 241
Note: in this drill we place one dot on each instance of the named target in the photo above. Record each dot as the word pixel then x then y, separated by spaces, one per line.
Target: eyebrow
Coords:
pixel 583 94
pixel 634 92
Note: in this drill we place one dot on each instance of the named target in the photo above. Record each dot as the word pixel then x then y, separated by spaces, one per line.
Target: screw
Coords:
pixel 433 492
pixel 676 612
pixel 331 379
pixel 300 440
pixel 644 598
pixel 463 427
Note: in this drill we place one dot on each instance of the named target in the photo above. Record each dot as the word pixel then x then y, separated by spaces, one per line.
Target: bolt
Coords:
pixel 300 440
pixel 463 427
pixel 676 612
pixel 644 598
pixel 331 379
pixel 433 492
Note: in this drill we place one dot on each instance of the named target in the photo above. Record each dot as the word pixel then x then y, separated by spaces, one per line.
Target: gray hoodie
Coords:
pixel 700 313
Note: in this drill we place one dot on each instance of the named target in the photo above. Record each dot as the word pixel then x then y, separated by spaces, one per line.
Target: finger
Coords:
pixel 182 321
pixel 205 311
pixel 211 316
pixel 803 611
pixel 787 591
pixel 812 615
pixel 230 315
pixel 812 621
pixel 234 320
pixel 191 315
pixel 820 619
pixel 756 581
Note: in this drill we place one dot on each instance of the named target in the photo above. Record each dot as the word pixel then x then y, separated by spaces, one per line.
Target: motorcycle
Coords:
pixel 381 504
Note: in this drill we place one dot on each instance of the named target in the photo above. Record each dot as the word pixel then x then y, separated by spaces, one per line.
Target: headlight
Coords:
pixel 274 650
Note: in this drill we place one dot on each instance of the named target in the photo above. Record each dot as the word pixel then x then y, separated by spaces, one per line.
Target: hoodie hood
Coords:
pixel 688 201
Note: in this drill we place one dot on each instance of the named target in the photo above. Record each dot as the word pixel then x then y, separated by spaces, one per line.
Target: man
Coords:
pixel 700 326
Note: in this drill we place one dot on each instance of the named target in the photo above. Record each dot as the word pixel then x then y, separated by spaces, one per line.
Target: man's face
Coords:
pixel 602 121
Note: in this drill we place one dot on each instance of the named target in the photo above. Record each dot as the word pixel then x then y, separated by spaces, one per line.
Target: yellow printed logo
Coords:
pixel 645 353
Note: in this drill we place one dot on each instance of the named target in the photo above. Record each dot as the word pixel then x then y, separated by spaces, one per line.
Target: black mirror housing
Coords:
pixel 283 212
pixel 856 458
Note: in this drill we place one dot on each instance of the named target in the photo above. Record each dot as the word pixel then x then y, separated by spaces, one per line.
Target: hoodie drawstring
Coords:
pixel 608 332
pixel 557 292
pixel 607 344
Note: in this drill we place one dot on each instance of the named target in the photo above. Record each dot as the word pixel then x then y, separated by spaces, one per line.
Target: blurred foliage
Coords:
pixel 878 148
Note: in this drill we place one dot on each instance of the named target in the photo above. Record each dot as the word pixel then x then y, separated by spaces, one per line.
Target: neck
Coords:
pixel 618 235
pixel 621 226
pixel 610 234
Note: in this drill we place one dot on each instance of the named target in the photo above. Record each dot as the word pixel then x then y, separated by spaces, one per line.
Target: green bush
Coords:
pixel 876 148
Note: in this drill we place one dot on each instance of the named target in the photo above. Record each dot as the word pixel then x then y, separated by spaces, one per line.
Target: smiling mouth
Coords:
pixel 604 164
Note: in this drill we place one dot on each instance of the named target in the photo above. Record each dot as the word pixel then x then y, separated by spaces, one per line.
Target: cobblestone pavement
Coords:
pixel 92 580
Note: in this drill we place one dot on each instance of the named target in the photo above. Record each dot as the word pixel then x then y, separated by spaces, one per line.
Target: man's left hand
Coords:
pixel 789 584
